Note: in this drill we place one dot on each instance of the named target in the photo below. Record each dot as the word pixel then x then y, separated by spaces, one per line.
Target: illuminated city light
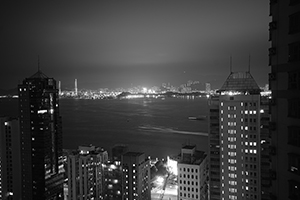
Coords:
pixel 42 111
pixel 160 180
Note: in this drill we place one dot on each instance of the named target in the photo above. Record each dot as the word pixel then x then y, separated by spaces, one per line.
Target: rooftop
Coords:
pixel 39 75
pixel 133 154
pixel 240 82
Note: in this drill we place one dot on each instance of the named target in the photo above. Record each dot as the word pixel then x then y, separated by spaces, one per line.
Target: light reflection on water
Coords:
pixel 158 127
pixel 154 126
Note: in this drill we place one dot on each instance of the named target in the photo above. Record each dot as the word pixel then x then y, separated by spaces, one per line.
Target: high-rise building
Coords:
pixel 76 89
pixel 136 176
pixel 207 88
pixel 59 87
pixel 284 82
pixel 10 169
pixel 234 138
pixel 85 173
pixel 192 174
pixel 41 138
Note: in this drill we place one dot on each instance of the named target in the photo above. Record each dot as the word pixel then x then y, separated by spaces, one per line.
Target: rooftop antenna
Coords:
pixel 230 64
pixel 249 63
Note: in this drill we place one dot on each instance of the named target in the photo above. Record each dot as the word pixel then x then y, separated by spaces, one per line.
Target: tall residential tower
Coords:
pixel 234 138
pixel 41 138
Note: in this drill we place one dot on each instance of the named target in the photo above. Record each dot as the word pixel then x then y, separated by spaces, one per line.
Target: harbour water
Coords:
pixel 157 127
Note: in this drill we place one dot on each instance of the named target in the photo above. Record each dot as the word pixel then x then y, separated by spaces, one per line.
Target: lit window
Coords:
pixel 262 111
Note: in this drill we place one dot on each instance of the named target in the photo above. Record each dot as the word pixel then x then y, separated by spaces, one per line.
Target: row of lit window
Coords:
pixel 254 151
pixel 232 175
pixel 249 112
pixel 232 161
pixel 231 153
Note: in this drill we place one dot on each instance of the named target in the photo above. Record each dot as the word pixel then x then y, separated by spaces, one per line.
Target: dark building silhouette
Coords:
pixel 10 170
pixel 284 81
pixel 41 138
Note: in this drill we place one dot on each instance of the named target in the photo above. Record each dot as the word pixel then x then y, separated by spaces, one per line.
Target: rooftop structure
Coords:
pixel 242 82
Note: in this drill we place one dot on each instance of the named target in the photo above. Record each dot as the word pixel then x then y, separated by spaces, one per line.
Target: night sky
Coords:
pixel 129 43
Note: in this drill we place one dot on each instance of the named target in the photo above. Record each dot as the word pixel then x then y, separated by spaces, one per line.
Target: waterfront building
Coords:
pixel 284 82
pixel 136 176
pixel 192 174
pixel 41 138
pixel 10 169
pixel 85 173
pixel 235 149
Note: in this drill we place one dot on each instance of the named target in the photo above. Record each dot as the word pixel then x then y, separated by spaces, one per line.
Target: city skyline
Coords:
pixel 120 44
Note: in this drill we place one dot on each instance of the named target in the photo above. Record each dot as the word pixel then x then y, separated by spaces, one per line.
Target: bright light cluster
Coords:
pixel 172 166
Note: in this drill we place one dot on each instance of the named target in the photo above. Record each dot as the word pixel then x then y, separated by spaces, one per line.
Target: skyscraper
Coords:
pixel 136 176
pixel 76 89
pixel 10 170
pixel 238 107
pixel 284 82
pixel 41 138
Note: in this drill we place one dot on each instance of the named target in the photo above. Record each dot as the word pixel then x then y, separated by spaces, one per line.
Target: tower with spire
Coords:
pixel 41 138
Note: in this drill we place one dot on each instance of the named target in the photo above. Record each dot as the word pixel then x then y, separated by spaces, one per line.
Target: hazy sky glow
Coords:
pixel 123 43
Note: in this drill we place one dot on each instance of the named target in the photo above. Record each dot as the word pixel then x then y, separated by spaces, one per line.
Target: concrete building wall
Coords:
pixel 284 81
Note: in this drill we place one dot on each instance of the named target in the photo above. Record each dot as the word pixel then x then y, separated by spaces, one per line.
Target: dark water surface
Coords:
pixel 155 126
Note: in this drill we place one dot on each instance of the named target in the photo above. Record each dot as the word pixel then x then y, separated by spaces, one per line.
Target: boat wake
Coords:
pixel 170 130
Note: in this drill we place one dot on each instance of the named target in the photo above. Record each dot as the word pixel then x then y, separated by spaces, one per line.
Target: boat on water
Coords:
pixel 202 117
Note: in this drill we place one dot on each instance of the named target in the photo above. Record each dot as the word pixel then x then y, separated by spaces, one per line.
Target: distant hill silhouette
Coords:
pixel 13 91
